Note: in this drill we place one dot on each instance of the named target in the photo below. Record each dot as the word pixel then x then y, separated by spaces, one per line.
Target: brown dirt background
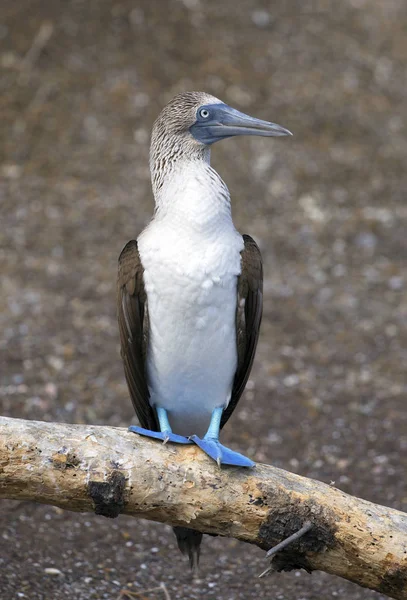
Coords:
pixel 327 395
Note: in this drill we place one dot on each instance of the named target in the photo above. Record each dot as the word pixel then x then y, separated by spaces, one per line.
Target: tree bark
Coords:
pixel 111 471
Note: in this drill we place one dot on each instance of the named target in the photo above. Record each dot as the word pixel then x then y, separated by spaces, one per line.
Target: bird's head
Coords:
pixel 197 118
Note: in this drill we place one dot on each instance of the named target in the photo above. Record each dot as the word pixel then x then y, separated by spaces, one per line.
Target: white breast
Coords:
pixel 191 259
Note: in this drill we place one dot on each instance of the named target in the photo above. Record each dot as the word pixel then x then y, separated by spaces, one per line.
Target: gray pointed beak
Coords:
pixel 233 122
pixel 228 122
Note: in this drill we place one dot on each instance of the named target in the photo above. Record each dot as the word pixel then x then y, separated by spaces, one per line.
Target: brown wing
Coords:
pixel 248 318
pixel 133 326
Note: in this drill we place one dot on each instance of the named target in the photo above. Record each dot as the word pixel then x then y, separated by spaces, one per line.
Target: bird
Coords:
pixel 190 289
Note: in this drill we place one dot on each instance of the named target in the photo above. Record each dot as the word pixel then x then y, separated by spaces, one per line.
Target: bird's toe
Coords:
pixel 165 436
pixel 221 454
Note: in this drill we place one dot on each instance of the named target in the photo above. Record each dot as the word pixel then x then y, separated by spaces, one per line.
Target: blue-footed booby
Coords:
pixel 190 288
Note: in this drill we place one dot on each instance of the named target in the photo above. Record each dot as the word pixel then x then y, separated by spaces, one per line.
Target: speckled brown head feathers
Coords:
pixel 180 113
pixel 171 139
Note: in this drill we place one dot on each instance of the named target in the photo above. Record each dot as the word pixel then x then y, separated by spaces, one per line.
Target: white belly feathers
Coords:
pixel 191 285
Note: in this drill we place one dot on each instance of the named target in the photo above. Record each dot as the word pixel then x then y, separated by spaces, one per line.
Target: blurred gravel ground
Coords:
pixel 81 83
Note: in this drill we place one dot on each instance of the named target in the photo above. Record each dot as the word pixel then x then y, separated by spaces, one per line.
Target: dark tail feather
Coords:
pixel 189 542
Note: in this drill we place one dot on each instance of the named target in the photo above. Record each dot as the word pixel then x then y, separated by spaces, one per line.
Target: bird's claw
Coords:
pixel 165 436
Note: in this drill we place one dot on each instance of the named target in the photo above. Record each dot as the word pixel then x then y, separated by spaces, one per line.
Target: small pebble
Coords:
pixel 261 18
pixel 52 571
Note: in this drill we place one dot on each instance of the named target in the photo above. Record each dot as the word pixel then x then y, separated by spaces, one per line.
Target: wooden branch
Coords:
pixel 110 471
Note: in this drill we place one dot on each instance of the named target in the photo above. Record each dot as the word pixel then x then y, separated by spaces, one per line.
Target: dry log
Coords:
pixel 110 471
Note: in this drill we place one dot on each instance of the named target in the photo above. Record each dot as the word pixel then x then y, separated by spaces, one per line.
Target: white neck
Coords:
pixel 193 196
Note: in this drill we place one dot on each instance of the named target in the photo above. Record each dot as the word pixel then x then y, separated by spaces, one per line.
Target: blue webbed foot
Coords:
pixel 165 436
pixel 222 455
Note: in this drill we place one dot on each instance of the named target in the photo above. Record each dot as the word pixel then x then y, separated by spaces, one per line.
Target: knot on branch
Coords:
pixel 286 516
pixel 108 496
pixel 394 581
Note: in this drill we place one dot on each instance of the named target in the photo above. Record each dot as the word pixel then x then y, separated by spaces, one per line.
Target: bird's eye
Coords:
pixel 204 113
